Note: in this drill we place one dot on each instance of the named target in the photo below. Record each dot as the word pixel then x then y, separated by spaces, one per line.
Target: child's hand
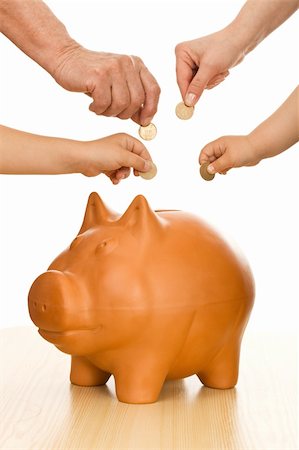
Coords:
pixel 273 136
pixel 228 152
pixel 114 156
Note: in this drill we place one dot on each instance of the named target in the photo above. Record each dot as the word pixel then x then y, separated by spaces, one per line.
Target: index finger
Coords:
pixel 135 146
pixel 209 153
pixel 184 75
pixel 152 94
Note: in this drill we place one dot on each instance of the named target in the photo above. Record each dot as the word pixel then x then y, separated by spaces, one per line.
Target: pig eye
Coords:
pixel 105 246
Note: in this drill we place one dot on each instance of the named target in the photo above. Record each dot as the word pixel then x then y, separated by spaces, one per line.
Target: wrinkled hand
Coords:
pixel 204 63
pixel 228 152
pixel 114 156
pixel 119 85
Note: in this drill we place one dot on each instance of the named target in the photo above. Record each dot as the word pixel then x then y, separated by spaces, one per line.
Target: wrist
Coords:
pixel 54 56
pixel 257 147
pixel 81 158
pixel 61 56
pixel 232 34
pixel 245 35
pixel 72 156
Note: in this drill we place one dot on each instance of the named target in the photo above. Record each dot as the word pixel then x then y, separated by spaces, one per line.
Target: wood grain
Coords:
pixel 41 410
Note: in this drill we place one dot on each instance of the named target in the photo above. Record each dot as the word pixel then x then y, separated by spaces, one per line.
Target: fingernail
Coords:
pixel 147 165
pixel 190 99
pixel 211 169
pixel 146 121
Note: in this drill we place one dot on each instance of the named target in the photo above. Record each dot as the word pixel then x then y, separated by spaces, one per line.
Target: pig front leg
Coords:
pixel 141 384
pixel 84 373
pixel 222 371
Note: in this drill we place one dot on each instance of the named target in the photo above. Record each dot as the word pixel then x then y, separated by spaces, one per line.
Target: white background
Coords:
pixel 257 207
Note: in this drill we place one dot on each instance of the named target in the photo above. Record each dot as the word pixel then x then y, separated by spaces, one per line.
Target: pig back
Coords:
pixel 192 265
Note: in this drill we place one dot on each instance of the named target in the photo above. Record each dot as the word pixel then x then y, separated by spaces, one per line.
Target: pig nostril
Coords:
pixel 35 304
pixel 44 308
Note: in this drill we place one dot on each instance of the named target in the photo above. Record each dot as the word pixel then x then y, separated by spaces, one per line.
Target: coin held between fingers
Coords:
pixel 150 174
pixel 183 111
pixel 204 172
pixel 148 133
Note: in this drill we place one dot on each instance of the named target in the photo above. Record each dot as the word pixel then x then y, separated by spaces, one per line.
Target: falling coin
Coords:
pixel 183 111
pixel 150 174
pixel 148 133
pixel 204 173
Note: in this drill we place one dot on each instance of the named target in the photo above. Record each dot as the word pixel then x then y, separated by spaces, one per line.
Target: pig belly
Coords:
pixel 185 340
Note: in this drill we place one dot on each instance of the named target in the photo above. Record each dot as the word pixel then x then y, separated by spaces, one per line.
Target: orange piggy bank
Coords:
pixel 147 297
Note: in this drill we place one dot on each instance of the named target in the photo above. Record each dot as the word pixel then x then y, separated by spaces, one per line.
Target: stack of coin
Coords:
pixel 183 111
pixel 150 174
pixel 204 172
pixel 148 133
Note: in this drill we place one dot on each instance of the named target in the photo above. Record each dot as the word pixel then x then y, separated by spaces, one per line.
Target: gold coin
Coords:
pixel 148 133
pixel 183 111
pixel 204 173
pixel 150 174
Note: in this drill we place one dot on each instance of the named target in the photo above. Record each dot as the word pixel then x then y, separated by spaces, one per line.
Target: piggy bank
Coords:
pixel 146 297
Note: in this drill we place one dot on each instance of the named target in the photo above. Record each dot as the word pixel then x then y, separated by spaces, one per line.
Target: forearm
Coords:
pixel 33 28
pixel 280 131
pixel 25 153
pixel 257 19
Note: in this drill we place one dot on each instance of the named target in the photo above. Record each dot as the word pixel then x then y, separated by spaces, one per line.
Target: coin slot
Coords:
pixel 166 210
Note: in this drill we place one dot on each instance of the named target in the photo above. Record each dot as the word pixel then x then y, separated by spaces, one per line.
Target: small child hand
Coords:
pixel 228 152
pixel 114 156
pixel 273 136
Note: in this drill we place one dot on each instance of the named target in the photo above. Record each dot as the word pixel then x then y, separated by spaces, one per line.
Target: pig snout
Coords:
pixel 49 301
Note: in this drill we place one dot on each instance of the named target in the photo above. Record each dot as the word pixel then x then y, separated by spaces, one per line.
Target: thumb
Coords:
pixel 197 85
pixel 220 165
pixel 129 159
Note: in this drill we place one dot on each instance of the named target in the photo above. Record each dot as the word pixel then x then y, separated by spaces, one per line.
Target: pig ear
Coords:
pixel 140 218
pixel 96 213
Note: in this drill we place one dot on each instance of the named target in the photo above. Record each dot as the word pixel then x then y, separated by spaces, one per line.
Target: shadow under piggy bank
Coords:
pixel 145 297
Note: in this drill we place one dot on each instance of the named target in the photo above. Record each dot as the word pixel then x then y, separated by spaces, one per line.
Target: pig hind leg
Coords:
pixel 222 371
pixel 84 373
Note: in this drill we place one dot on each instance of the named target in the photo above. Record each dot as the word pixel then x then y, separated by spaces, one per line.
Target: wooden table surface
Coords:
pixel 41 410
